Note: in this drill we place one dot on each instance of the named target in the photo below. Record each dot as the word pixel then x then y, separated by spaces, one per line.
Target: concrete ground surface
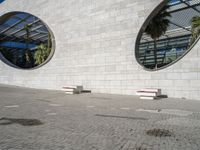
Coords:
pixel 33 119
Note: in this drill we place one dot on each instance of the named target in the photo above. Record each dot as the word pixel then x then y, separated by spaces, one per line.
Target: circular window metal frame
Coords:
pixel 5 17
pixel 141 31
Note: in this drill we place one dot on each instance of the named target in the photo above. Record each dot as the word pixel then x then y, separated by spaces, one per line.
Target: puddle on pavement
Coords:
pixel 20 121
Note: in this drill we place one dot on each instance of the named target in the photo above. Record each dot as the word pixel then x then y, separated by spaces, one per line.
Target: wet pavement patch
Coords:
pixel 159 133
pixel 20 121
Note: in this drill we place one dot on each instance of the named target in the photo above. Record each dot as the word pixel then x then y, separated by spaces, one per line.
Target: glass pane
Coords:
pixel 26 41
pixel 169 34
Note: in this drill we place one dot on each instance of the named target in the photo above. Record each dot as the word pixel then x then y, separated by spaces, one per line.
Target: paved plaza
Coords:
pixel 33 119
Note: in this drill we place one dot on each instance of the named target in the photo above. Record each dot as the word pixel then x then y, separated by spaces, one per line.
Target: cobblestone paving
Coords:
pixel 49 120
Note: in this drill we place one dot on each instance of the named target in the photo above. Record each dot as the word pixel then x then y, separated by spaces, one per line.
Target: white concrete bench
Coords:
pixel 149 93
pixel 72 89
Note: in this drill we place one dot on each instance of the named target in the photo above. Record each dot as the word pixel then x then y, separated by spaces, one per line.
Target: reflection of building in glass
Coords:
pixel 176 40
pixel 20 36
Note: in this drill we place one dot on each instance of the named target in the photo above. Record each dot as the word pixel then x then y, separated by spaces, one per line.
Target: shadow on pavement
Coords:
pixel 23 122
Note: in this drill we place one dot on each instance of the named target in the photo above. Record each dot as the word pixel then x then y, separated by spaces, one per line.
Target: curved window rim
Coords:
pixel 7 62
pixel 155 11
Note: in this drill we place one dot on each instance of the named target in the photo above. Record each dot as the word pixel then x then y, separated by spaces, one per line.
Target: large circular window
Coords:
pixel 25 40
pixel 168 33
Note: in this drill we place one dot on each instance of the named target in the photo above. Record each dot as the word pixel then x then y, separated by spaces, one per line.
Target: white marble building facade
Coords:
pixel 95 47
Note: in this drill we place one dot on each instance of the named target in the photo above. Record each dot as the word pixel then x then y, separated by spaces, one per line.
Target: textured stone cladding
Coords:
pixel 95 47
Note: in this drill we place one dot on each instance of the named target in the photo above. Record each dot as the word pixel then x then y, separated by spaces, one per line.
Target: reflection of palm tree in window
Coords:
pixel 157 27
pixel 28 56
pixel 195 28
pixel 42 52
